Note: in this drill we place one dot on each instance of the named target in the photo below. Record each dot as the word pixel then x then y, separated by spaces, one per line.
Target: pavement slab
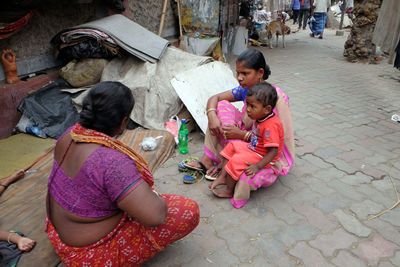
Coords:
pixel 290 234
pixel 310 256
pixel 385 229
pixel 351 224
pixel 316 218
pixel 366 208
pixel 346 259
pixel 396 259
pixel 329 243
pixel 376 249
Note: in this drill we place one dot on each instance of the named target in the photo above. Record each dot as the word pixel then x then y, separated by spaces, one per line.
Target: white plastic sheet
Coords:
pixel 195 86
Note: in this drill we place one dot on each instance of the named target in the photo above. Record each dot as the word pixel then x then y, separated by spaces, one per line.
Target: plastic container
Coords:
pixel 183 138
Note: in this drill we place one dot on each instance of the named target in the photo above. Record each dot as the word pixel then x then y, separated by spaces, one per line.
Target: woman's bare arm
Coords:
pixel 146 206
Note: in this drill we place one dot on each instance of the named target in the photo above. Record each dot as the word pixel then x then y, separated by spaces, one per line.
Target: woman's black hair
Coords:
pixel 105 107
pixel 265 93
pixel 254 59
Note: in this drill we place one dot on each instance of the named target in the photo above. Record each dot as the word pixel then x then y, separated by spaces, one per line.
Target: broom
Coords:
pixel 181 39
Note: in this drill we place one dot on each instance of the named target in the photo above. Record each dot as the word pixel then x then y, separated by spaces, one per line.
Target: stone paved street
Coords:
pixel 346 150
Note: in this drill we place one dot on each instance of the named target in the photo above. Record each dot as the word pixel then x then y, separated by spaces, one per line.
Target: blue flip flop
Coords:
pixel 192 177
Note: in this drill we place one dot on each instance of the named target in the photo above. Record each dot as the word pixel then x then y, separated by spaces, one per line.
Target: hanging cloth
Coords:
pixel 7 30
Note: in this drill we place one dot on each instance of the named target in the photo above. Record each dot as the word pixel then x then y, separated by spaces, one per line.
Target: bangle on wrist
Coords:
pixel 211 109
pixel 9 236
pixel 247 136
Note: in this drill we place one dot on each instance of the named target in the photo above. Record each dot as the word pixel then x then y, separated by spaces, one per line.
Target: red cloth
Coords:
pixel 11 28
pixel 237 154
pixel 130 243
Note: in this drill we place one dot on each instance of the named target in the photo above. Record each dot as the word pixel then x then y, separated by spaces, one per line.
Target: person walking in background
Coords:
pixel 305 9
pixel 295 6
pixel 319 10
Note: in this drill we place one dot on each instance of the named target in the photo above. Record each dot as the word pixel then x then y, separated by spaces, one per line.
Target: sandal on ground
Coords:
pixel 192 177
pixel 213 173
pixel 181 166
pixel 312 35
pixel 320 37
pixel 201 169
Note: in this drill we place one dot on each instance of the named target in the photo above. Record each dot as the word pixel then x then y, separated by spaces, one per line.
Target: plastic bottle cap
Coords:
pixel 183 120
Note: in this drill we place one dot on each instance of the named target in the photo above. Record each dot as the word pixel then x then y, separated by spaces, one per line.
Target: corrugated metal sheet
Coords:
pixel 201 16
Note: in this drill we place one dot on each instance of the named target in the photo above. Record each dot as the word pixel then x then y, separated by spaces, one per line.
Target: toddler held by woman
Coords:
pixel 267 139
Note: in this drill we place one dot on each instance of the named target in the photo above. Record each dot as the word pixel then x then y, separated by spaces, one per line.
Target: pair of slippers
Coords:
pixel 210 175
pixel 194 174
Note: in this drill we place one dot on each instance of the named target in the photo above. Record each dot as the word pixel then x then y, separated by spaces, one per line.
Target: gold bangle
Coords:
pixel 210 109
pixel 246 136
pixel 249 136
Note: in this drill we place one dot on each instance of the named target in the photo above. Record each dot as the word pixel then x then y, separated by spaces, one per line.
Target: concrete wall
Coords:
pixel 148 14
pixel 31 44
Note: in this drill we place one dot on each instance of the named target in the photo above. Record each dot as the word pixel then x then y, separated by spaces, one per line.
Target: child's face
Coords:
pixel 255 109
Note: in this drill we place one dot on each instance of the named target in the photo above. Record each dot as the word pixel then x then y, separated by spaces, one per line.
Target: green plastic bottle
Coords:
pixel 183 137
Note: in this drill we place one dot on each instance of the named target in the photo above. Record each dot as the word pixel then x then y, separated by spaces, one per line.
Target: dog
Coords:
pixel 277 28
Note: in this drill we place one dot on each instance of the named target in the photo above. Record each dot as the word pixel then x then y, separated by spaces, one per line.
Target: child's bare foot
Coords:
pixel 221 180
pixel 12 178
pixel 25 244
pixel 223 191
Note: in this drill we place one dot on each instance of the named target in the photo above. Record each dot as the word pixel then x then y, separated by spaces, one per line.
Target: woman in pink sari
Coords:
pixel 227 124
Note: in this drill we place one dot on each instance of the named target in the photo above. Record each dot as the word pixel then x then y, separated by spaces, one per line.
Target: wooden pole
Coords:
pixel 343 9
pixel 180 21
pixel 162 17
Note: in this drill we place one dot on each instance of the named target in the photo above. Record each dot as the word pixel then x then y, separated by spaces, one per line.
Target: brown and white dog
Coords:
pixel 277 28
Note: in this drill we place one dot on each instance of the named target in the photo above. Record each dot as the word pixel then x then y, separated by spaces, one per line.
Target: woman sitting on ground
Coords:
pixel 227 124
pixel 102 209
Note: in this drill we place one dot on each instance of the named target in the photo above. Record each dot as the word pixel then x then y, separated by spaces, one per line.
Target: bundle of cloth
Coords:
pixel 107 37
pixel 85 43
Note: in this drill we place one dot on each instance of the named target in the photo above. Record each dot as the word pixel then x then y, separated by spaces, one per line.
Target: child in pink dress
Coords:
pixel 267 139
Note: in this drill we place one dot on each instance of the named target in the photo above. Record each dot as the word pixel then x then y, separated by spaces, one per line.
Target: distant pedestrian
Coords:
pixel 295 6
pixel 318 11
pixel 305 9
